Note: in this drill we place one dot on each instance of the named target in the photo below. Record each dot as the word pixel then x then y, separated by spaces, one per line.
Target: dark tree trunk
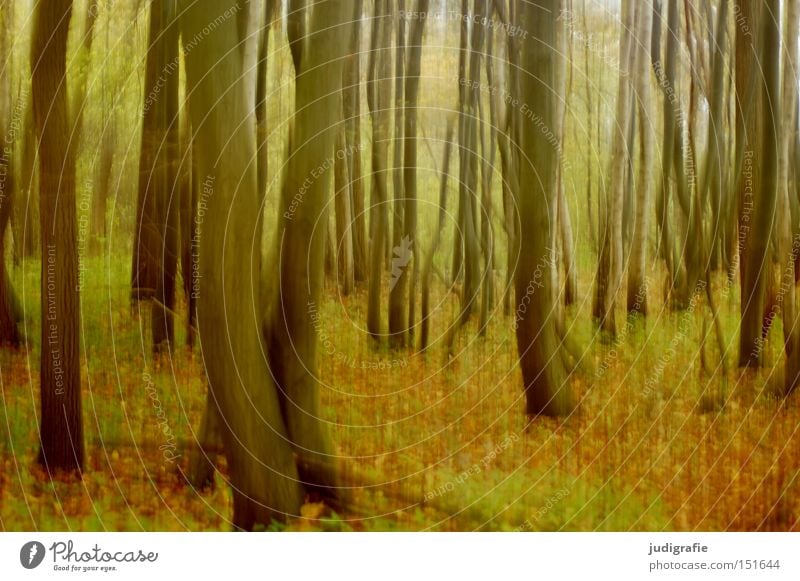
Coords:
pixel 61 425
pixel 544 377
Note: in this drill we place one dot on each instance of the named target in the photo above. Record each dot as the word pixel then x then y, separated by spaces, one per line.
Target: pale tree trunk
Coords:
pixel 77 101
pixel 344 217
pixel 618 162
pixel 610 262
pixel 262 131
pixel 637 288
pixel 61 424
pixel 565 235
pixel 26 209
pixel 379 91
pixel 293 342
pixel 467 239
pixel 263 473
pixel 544 376
pixel 427 265
pixel 351 95
pixel 487 136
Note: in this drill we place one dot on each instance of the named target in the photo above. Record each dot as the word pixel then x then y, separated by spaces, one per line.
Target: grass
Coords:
pixel 443 443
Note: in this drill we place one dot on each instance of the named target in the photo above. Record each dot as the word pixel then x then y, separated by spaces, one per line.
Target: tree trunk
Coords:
pixel 637 287
pixel 262 468
pixel 427 265
pixel 344 217
pixel 408 274
pixel 166 186
pixel 789 246
pixel 397 306
pixel 293 343
pixel 544 377
pixel 351 95
pixel 61 425
pixel 755 213
pixel 379 91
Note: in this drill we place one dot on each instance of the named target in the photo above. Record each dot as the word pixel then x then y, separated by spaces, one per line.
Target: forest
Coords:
pixel 399 265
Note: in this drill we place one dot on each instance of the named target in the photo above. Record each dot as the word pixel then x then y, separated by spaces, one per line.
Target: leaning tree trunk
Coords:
pixel 293 341
pixel 263 473
pixel 61 422
pixel 544 376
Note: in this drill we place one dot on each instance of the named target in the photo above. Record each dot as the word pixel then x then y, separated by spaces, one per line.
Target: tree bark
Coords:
pixel 263 473
pixel 637 287
pixel 544 376
pixel 293 342
pixel 379 90
pixel 61 425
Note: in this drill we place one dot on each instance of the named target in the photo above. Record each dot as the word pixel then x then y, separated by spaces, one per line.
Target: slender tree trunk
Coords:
pixel 61 425
pixel 408 274
pixel 9 333
pixel 397 307
pixel 789 247
pixel 427 265
pixel 379 89
pixel 637 287
pixel 344 217
pixel 351 95
pixel 610 268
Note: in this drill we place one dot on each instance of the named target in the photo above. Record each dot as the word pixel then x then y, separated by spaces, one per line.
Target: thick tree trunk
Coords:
pixel 293 343
pixel 546 385
pixel 755 214
pixel 61 425
pixel 263 473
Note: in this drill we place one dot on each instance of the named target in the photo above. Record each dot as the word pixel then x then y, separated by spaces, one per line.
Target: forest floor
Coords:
pixel 662 439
